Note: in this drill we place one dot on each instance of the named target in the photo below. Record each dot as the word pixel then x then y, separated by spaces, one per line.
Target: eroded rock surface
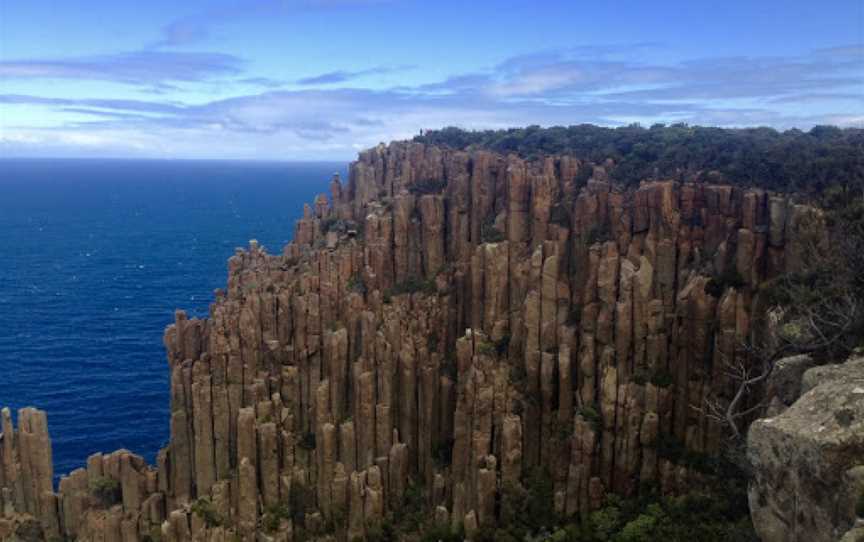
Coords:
pixel 447 321
pixel 808 462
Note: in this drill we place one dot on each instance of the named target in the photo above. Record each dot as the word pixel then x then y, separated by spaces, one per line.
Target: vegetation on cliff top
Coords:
pixel 792 161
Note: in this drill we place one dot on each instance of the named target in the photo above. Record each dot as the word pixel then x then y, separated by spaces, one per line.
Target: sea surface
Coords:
pixel 97 255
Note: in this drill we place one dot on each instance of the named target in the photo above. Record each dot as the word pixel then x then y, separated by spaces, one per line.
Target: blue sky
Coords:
pixel 321 79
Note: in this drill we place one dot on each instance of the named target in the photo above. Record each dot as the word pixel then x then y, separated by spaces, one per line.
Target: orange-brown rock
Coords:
pixel 446 320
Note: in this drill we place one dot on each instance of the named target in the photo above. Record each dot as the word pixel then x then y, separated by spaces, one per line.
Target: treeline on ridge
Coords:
pixel 822 160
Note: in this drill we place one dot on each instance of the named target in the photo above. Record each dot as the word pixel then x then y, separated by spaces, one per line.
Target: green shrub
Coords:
pixel 413 512
pixel 662 378
pixel 574 316
pixel 518 373
pixel 448 367
pixel 328 224
pixel 442 453
pixel 641 529
pixel 559 215
pixel 540 500
pixel 308 441
pixel 203 508
pixel 432 342
pixel 605 522
pixel 441 533
pixel 356 284
pixel 599 233
pixel 275 514
pixel 106 490
pixel 502 345
pixel 381 532
pixel 591 415
pixel 487 348
pixel 300 499
pixel 670 447
pixel 560 428
pixel 729 278
pixel 489 233
pixel 586 171
pixel 411 285
pixel 429 186
pixel 339 225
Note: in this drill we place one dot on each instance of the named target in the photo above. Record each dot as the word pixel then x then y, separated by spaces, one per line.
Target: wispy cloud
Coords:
pixel 136 68
pixel 343 76
pixel 613 73
pixel 603 86
pixel 265 82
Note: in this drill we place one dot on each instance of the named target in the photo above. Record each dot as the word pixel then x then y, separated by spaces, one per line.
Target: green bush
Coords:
pixel 300 499
pixel 275 514
pixel 356 284
pixel 641 529
pixel 381 532
pixel 503 344
pixel 429 186
pixel 432 341
pixel 489 233
pixel 559 215
pixel 599 233
pixel 662 378
pixel 339 225
pixel 730 278
pixel 486 348
pixel 591 415
pixel 203 508
pixel 442 453
pixel 441 533
pixel 106 490
pixel 308 441
pixel 411 285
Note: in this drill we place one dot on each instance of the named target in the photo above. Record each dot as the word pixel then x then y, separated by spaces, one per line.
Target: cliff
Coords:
pixel 441 328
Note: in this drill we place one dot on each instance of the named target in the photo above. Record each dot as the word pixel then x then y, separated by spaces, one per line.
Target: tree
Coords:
pixel 817 309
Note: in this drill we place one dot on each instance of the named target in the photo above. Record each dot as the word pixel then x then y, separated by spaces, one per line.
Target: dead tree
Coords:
pixel 816 309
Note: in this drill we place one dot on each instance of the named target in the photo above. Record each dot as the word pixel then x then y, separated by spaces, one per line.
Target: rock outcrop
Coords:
pixel 808 461
pixel 443 325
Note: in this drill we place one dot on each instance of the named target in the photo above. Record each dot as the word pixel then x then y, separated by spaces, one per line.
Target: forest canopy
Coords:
pixel 821 160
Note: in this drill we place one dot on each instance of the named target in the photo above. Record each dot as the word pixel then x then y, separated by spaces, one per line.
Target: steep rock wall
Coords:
pixel 451 321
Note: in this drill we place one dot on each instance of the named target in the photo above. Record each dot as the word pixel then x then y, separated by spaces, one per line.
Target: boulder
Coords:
pixel 784 384
pixel 807 461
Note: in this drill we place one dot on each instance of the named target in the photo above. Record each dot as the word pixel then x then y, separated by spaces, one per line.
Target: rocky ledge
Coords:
pixel 808 461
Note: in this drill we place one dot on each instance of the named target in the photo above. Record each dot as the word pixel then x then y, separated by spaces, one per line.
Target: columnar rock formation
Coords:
pixel 447 322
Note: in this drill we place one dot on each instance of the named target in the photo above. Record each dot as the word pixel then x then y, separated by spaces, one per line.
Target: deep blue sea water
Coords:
pixel 96 255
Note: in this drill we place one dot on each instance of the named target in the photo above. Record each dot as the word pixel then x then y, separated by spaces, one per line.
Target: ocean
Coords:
pixel 97 255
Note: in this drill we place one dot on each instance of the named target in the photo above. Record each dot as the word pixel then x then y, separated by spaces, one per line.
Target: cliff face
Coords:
pixel 448 320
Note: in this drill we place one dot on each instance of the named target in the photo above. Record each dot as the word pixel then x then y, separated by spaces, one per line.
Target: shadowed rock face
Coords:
pixel 448 319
